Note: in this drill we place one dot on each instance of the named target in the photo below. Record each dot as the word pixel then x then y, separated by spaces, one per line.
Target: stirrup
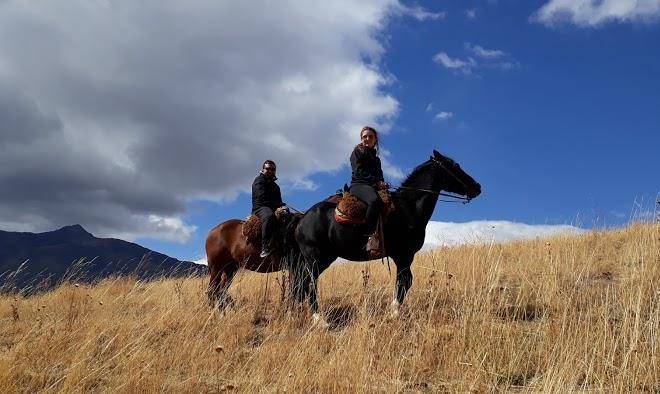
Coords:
pixel 374 248
pixel 265 253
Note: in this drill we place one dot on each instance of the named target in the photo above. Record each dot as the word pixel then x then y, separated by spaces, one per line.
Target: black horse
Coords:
pixel 321 239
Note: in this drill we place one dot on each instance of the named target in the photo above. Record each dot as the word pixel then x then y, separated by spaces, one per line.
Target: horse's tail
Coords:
pixel 291 250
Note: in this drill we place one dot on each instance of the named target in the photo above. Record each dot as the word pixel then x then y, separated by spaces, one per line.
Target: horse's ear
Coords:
pixel 436 153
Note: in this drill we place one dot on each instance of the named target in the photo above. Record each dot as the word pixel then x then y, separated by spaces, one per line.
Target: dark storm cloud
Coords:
pixel 114 114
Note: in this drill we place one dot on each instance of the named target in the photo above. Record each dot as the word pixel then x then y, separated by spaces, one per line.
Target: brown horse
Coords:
pixel 227 250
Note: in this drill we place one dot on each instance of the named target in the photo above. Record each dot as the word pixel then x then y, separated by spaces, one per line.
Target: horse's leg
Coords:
pixel 226 277
pixel 298 282
pixel 214 283
pixel 404 280
pixel 314 264
pixel 312 293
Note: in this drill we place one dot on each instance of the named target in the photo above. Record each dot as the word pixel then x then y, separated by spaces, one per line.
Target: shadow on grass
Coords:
pixel 527 312
pixel 340 316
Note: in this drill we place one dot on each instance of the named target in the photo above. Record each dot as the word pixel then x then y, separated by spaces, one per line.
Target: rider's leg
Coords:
pixel 369 196
pixel 267 225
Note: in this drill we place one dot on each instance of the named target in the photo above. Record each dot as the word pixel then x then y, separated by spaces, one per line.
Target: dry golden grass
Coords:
pixel 566 313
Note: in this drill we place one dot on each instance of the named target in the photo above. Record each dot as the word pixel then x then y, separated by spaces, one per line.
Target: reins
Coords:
pixel 294 209
pixel 460 199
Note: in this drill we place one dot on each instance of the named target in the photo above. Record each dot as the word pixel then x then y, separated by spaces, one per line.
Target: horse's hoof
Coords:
pixel 229 302
pixel 319 321
pixel 223 303
pixel 394 314
pixel 394 310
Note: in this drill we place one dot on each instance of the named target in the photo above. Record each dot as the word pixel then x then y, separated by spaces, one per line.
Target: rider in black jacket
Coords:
pixel 367 179
pixel 266 198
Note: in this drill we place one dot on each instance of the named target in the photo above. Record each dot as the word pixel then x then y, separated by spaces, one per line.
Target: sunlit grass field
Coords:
pixel 567 313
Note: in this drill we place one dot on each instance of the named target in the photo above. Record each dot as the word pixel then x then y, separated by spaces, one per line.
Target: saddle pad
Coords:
pixel 350 210
pixel 342 218
pixel 351 207
pixel 252 228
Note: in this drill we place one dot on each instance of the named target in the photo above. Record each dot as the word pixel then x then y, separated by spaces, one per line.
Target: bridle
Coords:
pixel 461 199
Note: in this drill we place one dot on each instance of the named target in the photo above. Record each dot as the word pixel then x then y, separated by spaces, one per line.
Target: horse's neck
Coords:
pixel 419 209
pixel 426 207
pixel 420 204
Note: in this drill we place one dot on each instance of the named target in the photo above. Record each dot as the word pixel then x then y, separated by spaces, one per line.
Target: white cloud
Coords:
pixel 483 52
pixel 485 231
pixel 465 66
pixel 299 184
pixel 171 228
pixel 444 115
pixel 593 13
pixel 488 58
pixel 390 170
pixel 115 114
pixel 507 65
pixel 421 14
pixel 429 107
pixel 471 13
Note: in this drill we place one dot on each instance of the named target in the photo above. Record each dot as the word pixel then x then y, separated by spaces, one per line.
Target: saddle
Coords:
pixel 252 226
pixel 351 210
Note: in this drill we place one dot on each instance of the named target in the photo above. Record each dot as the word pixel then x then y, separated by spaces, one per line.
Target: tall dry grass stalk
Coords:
pixel 565 313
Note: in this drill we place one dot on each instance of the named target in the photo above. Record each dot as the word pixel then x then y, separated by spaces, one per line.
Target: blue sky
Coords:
pixel 569 134
pixel 148 122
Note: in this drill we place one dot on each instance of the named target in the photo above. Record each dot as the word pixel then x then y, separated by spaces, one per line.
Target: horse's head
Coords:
pixel 454 179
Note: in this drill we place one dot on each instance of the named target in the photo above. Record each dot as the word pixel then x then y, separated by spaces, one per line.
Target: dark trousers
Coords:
pixel 268 223
pixel 370 197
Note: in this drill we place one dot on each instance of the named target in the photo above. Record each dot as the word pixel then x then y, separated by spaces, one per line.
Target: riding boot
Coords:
pixel 375 242
pixel 265 249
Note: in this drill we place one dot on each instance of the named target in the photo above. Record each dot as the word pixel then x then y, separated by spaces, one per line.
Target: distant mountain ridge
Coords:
pixel 45 258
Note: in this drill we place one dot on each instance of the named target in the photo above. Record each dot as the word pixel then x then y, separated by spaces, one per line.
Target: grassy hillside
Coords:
pixel 564 313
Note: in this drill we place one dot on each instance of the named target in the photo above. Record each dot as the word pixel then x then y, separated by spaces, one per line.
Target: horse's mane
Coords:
pixel 414 174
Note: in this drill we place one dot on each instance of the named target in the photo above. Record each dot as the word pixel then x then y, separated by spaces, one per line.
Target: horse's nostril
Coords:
pixel 475 192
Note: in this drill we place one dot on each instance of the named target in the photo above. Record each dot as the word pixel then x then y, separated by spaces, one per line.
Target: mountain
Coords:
pixel 43 259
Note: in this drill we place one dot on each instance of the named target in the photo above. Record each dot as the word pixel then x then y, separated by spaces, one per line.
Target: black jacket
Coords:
pixel 365 166
pixel 265 193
